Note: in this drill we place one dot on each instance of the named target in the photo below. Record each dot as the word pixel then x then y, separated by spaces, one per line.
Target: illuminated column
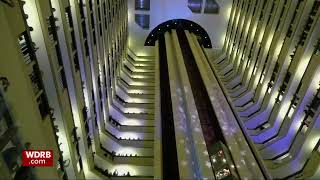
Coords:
pixel 297 69
pixel 234 24
pixel 193 130
pixel 242 16
pixel 247 22
pixel 70 56
pixel 235 141
pixel 51 68
pixel 263 54
pixel 192 154
pixel 184 161
pixel 157 120
pixel 229 28
pixel 296 116
pixel 26 118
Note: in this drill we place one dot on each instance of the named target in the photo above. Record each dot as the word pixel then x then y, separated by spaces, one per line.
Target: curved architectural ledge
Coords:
pixel 193 27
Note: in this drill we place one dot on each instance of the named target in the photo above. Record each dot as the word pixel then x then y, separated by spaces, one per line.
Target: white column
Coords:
pixel 242 155
pixel 184 159
pixel 194 131
pixel 157 120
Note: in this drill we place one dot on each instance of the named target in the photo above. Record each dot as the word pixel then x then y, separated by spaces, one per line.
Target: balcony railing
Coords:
pixel 36 84
pixel 26 48
pixel 69 16
pixel 52 28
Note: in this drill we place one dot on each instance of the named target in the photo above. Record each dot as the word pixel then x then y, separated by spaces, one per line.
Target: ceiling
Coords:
pixel 142 22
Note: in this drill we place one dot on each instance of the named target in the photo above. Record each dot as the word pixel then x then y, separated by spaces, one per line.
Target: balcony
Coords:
pixel 73 41
pixel 43 105
pixel 115 175
pixel 84 30
pixel 36 82
pixel 148 89
pixel 317 48
pixel 52 28
pixel 87 129
pixel 62 79
pixel 81 5
pixel 76 62
pixel 315 104
pixel 75 137
pixel 69 16
pixel 124 128
pixel 26 48
pixel 85 113
pixel 135 159
pixel 89 141
pixel 136 107
pixel 7 136
pixel 138 143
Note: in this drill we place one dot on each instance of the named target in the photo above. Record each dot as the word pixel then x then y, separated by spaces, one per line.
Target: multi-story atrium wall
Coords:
pixel 270 72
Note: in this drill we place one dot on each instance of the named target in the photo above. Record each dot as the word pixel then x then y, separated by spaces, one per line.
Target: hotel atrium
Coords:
pixel 160 89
